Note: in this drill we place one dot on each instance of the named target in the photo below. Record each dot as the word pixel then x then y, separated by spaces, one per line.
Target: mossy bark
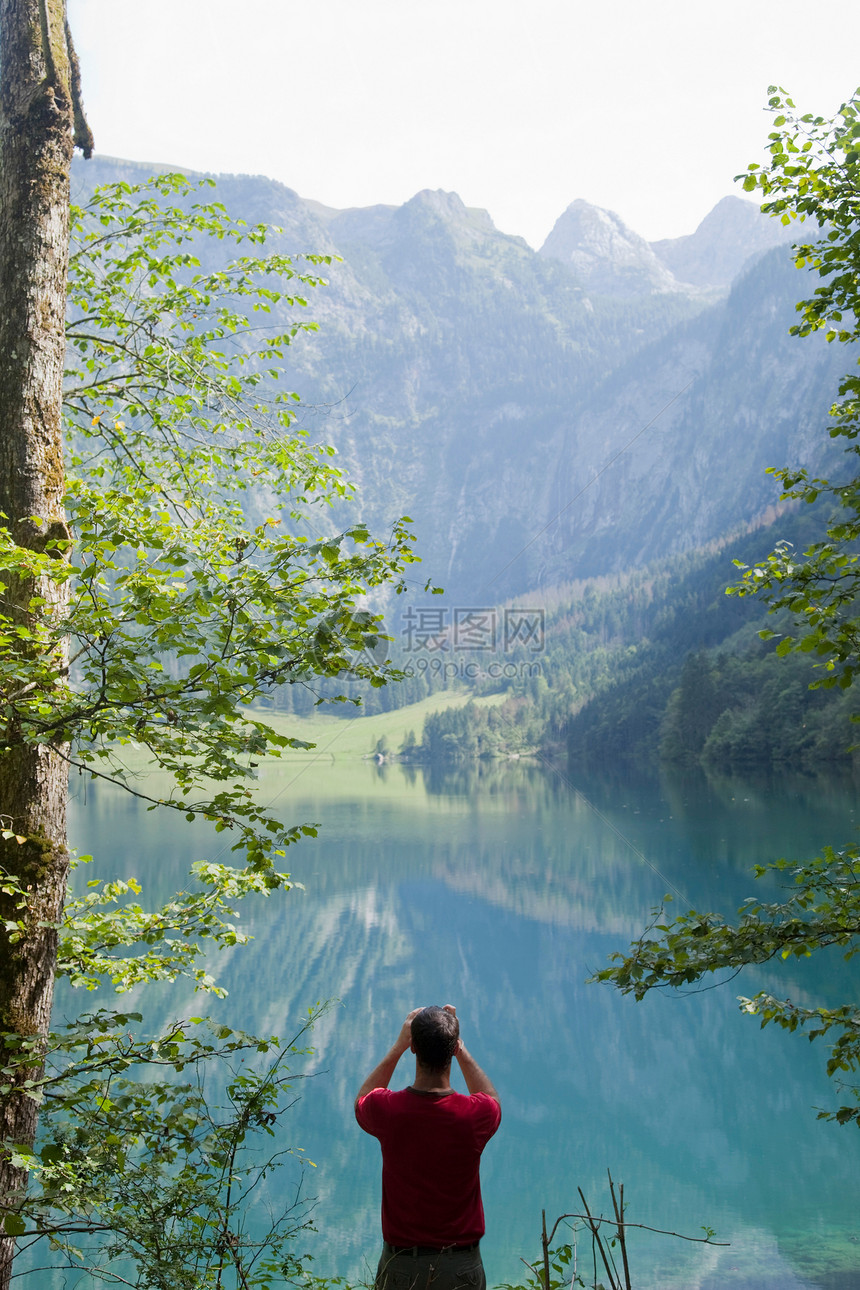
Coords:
pixel 37 122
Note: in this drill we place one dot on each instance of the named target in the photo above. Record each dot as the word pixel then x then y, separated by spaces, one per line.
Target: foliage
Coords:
pixel 145 1180
pixel 103 935
pixel 823 910
pixel 812 174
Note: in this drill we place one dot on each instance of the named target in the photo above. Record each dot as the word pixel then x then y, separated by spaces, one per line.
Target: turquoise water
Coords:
pixel 501 893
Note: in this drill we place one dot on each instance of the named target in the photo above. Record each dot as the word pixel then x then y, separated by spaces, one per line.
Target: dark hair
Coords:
pixel 435 1034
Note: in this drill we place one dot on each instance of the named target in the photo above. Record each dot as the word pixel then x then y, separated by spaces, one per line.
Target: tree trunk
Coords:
pixel 38 95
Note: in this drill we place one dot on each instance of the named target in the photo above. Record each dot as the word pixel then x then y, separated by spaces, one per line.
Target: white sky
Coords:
pixel 648 107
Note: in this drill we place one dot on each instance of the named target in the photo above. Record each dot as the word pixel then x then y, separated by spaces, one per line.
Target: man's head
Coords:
pixel 435 1035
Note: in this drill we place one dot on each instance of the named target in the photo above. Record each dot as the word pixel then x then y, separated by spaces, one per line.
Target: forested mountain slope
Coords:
pixel 660 664
pixel 537 431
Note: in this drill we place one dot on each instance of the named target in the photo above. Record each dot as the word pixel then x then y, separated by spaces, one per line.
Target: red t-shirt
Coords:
pixel 431 1150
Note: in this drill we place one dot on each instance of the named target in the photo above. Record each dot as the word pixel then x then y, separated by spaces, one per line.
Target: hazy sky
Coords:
pixel 648 108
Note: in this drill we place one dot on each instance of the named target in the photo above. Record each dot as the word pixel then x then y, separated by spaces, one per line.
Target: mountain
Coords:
pixel 727 239
pixel 610 259
pixel 607 257
pixel 537 428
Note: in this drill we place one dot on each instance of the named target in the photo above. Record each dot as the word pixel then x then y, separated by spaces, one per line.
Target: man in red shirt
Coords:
pixel 431 1139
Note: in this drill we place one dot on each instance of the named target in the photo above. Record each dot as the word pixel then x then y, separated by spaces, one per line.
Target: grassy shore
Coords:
pixel 347 738
pixel 336 765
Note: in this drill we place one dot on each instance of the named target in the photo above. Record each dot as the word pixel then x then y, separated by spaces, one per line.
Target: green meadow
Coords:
pixel 339 738
pixel 340 765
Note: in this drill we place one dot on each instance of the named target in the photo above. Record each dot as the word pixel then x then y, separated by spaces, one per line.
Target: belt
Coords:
pixel 416 1250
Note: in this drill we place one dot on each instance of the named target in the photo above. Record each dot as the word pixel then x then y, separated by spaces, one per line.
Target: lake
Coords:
pixel 501 891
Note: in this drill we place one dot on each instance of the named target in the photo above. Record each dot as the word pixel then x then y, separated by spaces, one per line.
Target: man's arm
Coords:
pixel 476 1080
pixel 380 1076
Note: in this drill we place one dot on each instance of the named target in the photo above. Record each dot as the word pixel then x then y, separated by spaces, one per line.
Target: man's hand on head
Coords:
pixel 449 1007
pixel 380 1076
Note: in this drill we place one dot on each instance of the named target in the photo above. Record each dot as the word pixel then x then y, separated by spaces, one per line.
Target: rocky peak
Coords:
pixel 430 214
pixel 732 234
pixel 608 258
